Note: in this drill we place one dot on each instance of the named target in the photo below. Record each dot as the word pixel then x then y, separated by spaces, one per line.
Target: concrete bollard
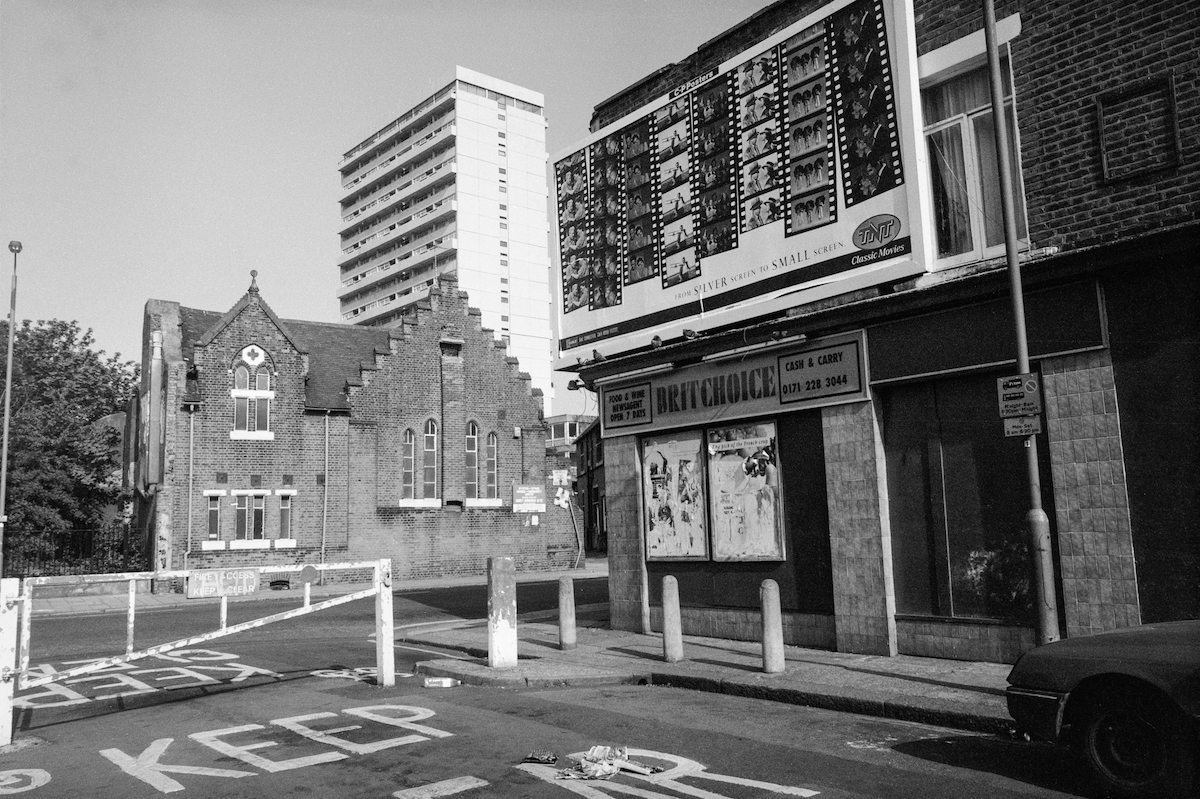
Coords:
pixel 772 628
pixel 502 613
pixel 672 626
pixel 566 613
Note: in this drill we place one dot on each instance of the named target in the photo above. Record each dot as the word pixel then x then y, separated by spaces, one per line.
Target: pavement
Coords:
pixel 951 693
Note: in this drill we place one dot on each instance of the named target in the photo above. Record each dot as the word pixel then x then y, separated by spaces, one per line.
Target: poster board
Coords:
pixel 743 469
pixel 787 174
pixel 674 497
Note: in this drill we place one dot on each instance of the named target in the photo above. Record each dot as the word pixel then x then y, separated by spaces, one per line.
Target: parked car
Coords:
pixel 1127 700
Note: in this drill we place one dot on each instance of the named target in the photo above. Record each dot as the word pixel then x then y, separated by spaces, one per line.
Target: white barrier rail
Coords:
pixel 16 653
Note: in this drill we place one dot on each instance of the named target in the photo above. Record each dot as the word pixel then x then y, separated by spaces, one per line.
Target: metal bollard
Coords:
pixel 566 613
pixel 772 628
pixel 502 613
pixel 672 627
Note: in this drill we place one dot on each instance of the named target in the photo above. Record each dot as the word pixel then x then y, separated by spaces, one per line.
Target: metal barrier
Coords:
pixel 14 654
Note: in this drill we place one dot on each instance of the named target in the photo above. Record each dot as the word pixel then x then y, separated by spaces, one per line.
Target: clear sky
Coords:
pixel 164 148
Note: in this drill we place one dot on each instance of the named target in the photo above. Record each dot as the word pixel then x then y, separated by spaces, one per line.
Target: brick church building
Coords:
pixel 263 441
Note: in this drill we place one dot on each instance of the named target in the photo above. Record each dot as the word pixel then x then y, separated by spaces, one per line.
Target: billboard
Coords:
pixel 788 174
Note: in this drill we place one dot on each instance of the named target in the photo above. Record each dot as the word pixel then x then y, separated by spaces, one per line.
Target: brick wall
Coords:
pixel 344 464
pixel 444 366
pixel 1068 53
pixel 201 442
pixel 709 55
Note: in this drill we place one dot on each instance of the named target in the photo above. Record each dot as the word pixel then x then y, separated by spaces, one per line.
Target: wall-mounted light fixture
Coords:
pixel 743 351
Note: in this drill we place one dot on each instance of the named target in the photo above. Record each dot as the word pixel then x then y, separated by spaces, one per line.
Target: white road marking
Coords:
pixel 146 767
pixel 878 746
pixel 432 652
pixel 360 674
pixel 443 788
pixel 24 779
pixel 668 779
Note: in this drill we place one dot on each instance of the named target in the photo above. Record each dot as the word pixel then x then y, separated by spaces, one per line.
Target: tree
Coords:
pixel 64 469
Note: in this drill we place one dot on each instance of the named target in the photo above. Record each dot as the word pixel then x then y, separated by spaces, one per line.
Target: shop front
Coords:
pixel 869 474
pixel 731 466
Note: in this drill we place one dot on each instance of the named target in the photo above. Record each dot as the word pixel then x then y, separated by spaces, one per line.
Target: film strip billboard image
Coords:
pixel 782 169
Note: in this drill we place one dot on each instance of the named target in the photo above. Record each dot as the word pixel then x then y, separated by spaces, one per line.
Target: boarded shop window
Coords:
pixel 957 494
pixel 964 170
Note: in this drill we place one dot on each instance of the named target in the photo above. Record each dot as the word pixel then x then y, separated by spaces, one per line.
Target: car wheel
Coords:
pixel 1137 746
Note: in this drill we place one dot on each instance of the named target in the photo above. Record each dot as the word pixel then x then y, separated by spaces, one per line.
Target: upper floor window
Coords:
pixel 285 516
pixel 214 518
pixel 407 459
pixel 250 516
pixel 960 133
pixel 252 396
pixel 471 461
pixel 429 461
pixel 493 443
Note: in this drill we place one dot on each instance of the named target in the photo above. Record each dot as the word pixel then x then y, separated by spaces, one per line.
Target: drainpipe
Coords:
pixel 325 498
pixel 154 434
pixel 191 471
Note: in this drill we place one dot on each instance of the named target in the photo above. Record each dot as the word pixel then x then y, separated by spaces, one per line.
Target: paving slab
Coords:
pixel 958 694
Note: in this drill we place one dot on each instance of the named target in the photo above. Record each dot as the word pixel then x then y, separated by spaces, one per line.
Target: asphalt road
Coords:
pixel 296 712
pixel 65 637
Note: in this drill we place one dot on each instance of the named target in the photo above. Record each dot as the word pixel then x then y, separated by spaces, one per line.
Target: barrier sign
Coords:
pixel 207 583
pixel 529 499
pixel 1020 395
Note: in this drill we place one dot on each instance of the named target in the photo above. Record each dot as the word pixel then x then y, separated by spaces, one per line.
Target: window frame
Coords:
pixel 214 517
pixel 430 460
pixel 471 462
pixel 964 122
pixel 430 463
pixel 285 517
pixel 488 495
pixel 252 406
pixel 408 446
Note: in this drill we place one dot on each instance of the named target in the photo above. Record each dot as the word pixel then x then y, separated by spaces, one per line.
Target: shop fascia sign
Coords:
pixel 830 371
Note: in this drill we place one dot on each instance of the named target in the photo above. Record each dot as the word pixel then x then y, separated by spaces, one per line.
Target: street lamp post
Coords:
pixel 1036 521
pixel 14 247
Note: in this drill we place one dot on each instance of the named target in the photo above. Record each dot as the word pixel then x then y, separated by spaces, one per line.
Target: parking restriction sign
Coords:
pixel 1020 395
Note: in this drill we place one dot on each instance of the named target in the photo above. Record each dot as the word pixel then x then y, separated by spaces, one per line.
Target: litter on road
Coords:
pixel 605 762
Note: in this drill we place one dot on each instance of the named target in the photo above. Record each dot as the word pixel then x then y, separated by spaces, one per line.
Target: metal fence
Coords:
pixel 42 553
